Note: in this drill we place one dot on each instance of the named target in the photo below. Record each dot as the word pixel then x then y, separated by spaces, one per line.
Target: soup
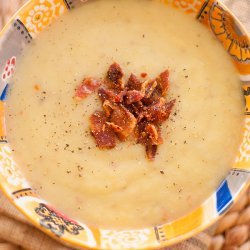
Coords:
pixel 120 188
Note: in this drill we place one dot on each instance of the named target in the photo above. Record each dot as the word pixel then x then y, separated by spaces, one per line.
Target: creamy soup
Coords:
pixel 119 188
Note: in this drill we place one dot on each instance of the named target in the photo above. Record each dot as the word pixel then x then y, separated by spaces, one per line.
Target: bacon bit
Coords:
pixel 151 151
pixel 122 118
pixel 37 87
pixel 138 109
pixel 143 75
pixel 115 127
pixel 160 111
pixel 111 95
pixel 148 134
pixel 140 133
pixel 133 96
pixel 163 82
pixel 107 108
pixel 133 83
pixel 154 134
pixel 103 134
pixel 87 87
pixel 115 76
pixel 149 101
pixel 148 88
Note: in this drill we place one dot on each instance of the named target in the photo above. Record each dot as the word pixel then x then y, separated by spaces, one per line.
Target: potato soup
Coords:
pixel 120 188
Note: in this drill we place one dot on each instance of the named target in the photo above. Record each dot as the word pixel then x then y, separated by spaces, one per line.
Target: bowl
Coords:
pixel 27 23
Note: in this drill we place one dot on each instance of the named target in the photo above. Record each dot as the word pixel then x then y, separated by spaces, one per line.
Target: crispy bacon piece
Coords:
pixel 115 76
pixel 163 82
pixel 122 118
pixel 115 127
pixel 111 95
pixel 148 134
pixel 151 151
pixel 107 107
pixel 154 134
pixel 140 133
pixel 133 96
pixel 136 109
pixel 104 135
pixel 143 74
pixel 148 88
pixel 133 83
pixel 149 101
pixel 159 111
pixel 87 87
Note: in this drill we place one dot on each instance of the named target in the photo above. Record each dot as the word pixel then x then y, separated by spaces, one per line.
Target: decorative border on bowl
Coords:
pixel 25 26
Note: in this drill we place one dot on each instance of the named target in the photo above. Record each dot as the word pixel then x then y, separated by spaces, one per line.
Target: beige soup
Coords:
pixel 120 188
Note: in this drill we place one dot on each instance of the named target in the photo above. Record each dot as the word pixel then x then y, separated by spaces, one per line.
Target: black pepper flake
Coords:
pixel 79 168
pixel 162 172
pixel 68 172
pixel 186 76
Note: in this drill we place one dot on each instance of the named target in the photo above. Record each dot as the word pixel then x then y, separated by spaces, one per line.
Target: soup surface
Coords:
pixel 119 188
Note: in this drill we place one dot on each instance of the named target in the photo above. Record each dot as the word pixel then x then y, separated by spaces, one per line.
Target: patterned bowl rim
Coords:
pixel 168 234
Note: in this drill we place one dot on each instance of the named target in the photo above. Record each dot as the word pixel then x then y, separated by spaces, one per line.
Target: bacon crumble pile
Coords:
pixel 135 109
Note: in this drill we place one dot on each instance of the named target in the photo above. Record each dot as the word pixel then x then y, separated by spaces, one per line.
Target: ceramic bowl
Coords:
pixel 26 25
